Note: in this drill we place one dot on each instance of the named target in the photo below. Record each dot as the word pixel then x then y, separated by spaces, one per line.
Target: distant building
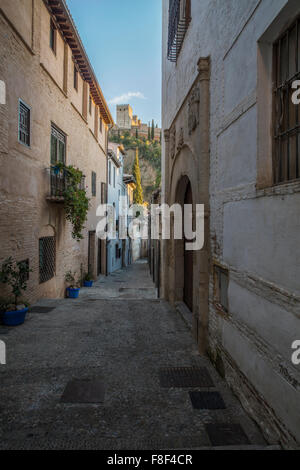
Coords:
pixel 120 252
pixel 127 121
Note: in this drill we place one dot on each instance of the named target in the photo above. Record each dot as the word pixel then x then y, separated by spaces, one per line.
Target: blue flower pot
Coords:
pixel 14 318
pixel 88 283
pixel 73 292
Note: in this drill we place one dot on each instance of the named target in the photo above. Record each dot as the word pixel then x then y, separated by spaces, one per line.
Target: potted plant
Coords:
pixel 73 288
pixel 13 311
pixel 88 280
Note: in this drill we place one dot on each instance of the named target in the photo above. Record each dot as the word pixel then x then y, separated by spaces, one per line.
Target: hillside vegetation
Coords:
pixel 149 160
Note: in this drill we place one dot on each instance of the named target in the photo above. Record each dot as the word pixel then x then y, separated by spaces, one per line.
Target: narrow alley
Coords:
pixel 120 340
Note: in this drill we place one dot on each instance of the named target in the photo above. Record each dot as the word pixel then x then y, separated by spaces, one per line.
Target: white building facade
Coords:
pixel 228 145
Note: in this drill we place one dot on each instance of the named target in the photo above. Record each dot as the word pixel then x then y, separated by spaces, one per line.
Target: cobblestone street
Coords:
pixel 120 333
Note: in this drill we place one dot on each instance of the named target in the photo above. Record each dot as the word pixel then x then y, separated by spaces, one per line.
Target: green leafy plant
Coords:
pixel 70 279
pixel 76 202
pixel 15 275
pixel 87 277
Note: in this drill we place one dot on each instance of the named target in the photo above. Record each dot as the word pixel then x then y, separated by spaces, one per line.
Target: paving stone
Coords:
pixel 38 309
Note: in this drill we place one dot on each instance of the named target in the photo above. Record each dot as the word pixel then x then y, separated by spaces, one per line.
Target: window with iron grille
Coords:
pixel 100 125
pixel 179 20
pixel 221 287
pixel 103 193
pixel 46 258
pixel 52 36
pixel 94 182
pixel 114 175
pixel 24 123
pixel 90 104
pixel 286 114
pixel 58 146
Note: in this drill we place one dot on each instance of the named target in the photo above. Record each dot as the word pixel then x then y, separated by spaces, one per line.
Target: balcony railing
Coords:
pixel 59 183
pixel 179 20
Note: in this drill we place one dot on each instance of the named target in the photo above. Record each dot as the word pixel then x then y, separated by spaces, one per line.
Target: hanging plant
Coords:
pixel 76 202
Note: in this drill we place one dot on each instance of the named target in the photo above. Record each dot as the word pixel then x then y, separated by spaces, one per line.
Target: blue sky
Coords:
pixel 123 41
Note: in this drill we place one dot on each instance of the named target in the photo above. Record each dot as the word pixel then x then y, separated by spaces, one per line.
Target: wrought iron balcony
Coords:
pixel 179 20
pixel 59 183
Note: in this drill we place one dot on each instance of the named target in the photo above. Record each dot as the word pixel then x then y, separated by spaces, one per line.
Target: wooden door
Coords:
pixel 188 261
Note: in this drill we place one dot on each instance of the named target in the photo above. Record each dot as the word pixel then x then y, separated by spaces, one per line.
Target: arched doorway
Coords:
pixel 188 258
pixel 183 258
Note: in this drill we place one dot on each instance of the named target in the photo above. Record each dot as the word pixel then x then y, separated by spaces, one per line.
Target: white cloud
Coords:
pixel 123 99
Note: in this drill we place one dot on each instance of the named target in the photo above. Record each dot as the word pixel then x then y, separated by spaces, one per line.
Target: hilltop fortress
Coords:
pixel 127 121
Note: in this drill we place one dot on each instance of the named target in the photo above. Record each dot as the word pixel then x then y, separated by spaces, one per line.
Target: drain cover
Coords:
pixel 185 377
pixel 207 401
pixel 38 309
pixel 84 391
pixel 226 434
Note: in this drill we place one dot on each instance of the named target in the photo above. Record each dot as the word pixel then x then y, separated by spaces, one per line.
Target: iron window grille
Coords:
pixel 24 123
pixel 90 104
pixel 286 164
pixel 179 20
pixel 94 180
pixel 47 254
pixel 221 287
pixel 100 125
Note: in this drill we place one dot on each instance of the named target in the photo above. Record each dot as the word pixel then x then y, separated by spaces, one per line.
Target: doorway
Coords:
pixel 188 259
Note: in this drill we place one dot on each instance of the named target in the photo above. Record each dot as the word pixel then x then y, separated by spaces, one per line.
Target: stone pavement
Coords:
pixel 119 332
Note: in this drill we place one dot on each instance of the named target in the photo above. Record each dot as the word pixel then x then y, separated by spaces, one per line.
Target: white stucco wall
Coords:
pixel 254 233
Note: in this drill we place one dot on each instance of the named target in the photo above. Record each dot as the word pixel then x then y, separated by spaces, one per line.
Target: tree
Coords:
pixel 149 135
pixel 138 197
pixel 152 130
pixel 136 133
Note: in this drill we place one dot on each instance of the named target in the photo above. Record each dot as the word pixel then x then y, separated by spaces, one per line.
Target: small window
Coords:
pixel 24 124
pixel 24 264
pixel 100 125
pixel 109 172
pixel 221 287
pixel 53 36
pixel 94 180
pixel 58 146
pixel 90 104
pixel 46 258
pixel 75 78
pixel 114 177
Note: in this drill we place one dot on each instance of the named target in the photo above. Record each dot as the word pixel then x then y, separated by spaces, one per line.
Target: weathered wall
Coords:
pixel 37 77
pixel 253 232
